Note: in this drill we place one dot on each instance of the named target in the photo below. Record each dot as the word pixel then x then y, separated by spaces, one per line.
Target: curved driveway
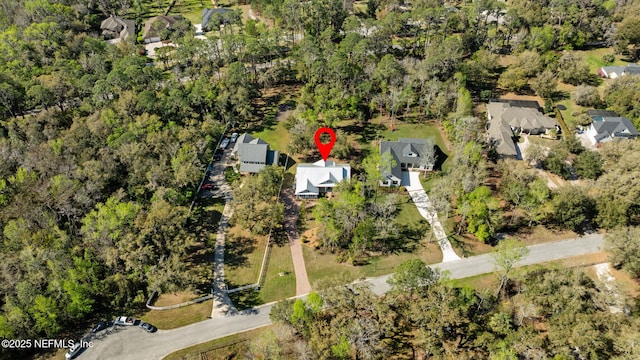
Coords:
pixel 133 343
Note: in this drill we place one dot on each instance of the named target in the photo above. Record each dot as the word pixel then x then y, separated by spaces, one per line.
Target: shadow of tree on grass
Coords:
pixel 236 250
pixel 246 299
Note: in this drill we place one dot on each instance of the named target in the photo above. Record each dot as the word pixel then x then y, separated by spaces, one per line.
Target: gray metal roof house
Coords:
pixel 408 154
pixel 254 154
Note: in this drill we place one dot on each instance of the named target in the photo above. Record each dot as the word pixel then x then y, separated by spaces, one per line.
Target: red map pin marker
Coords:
pixel 325 149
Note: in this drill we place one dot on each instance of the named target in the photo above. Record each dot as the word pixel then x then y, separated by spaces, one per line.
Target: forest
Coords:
pixel 102 149
pixel 541 314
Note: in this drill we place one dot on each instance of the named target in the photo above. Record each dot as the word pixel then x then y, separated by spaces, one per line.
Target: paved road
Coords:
pixel 133 343
pixel 411 181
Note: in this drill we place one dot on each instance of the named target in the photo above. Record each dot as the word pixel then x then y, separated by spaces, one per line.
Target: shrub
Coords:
pixel 586 95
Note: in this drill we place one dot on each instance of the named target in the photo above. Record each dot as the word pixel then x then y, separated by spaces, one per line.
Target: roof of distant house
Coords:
pixel 620 127
pixel 311 177
pixel 115 25
pixel 502 136
pixel 153 26
pixel 207 14
pixel 632 69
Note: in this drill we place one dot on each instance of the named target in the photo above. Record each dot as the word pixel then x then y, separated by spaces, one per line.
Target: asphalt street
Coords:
pixel 126 343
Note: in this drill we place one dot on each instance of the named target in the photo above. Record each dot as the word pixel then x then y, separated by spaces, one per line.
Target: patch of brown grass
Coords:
pixel 628 282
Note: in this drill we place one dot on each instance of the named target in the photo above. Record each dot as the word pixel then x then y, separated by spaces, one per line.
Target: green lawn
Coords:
pixel 276 135
pixel 175 318
pixel 278 287
pixel 593 58
pixel 242 257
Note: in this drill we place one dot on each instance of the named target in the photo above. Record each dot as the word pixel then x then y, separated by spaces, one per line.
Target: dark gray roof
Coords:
pixel 404 150
pixel 519 103
pixel 620 127
pixel 600 112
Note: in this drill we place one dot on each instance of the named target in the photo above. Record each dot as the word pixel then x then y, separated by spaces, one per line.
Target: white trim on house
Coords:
pixel 314 180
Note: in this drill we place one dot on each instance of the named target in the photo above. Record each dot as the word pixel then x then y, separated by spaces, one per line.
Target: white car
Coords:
pixel 124 320
pixel 73 351
pixel 234 137
pixel 224 143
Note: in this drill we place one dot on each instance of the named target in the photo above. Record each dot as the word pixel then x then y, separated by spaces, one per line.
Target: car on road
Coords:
pixel 100 326
pixel 124 320
pixel 234 137
pixel 218 155
pixel 148 327
pixel 73 351
pixel 224 143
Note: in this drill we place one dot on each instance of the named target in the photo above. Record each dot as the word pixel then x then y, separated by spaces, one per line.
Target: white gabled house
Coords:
pixel 315 180
pixel 607 125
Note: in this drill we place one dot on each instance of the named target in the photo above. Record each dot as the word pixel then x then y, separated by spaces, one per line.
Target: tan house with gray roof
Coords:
pixel 506 118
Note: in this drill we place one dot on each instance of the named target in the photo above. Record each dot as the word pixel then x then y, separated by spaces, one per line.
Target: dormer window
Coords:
pixel 412 154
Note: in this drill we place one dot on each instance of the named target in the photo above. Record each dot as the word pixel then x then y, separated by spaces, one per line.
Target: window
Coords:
pixel 385 182
pixel 394 182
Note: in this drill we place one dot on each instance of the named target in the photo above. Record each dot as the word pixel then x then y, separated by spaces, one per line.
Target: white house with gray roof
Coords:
pixel 613 72
pixel 407 154
pixel 254 154
pixel 319 178
pixel 607 125
pixel 505 118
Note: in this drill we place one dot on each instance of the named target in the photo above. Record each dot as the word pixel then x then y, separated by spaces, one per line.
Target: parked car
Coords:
pixel 208 186
pixel 100 326
pixel 234 137
pixel 218 155
pixel 148 327
pixel 224 143
pixel 124 320
pixel 73 351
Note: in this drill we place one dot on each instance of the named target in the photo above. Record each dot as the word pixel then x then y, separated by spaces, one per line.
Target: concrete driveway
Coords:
pixel 411 181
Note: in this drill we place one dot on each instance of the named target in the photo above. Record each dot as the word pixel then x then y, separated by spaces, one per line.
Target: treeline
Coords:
pixel 101 157
pixel 542 313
